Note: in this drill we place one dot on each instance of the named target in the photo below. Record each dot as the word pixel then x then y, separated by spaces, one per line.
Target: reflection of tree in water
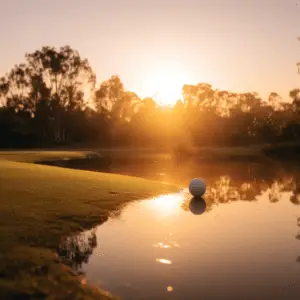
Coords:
pixel 226 189
pixel 298 238
pixel 275 194
pixel 295 198
pixel 77 249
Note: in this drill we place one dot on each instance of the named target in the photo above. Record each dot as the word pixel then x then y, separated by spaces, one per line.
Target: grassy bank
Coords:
pixel 41 204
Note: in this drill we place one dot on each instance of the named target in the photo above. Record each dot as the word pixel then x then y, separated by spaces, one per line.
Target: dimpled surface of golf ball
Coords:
pixel 197 187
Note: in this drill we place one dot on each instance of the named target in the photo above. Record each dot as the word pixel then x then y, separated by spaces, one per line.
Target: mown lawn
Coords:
pixel 41 204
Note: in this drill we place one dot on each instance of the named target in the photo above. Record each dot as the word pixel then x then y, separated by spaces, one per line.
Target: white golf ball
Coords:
pixel 197 187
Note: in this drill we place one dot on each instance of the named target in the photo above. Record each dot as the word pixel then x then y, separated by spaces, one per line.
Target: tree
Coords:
pixel 15 88
pixel 200 95
pixel 295 95
pixel 47 101
pixel 118 106
pixel 62 80
pixel 68 77
pixel 275 101
pixel 108 96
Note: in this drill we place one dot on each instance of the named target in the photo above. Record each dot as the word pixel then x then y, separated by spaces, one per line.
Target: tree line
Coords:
pixel 52 100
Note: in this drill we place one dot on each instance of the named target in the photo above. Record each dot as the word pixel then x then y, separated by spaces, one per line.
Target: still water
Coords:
pixel 241 241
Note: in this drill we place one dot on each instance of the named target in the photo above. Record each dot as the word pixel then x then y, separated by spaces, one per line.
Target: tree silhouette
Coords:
pixel 51 100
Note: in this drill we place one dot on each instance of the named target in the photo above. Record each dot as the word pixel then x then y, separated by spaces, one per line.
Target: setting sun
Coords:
pixel 165 83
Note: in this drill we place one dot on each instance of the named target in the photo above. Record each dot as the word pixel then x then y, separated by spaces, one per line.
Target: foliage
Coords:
pixel 52 100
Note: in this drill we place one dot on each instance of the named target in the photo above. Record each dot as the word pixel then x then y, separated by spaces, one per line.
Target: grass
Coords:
pixel 36 156
pixel 39 205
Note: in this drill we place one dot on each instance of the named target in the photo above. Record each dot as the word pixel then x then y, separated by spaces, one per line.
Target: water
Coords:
pixel 241 241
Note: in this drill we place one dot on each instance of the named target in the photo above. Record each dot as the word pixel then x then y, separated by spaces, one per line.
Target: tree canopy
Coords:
pixel 52 99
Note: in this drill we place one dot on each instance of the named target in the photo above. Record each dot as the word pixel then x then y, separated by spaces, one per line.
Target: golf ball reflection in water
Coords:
pixel 197 205
pixel 197 187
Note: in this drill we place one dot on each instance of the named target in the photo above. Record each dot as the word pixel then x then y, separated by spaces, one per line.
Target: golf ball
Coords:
pixel 197 187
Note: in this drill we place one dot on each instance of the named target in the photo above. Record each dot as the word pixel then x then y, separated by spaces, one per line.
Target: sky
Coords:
pixel 157 46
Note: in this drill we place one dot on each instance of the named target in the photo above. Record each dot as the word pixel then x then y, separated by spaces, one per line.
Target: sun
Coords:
pixel 165 84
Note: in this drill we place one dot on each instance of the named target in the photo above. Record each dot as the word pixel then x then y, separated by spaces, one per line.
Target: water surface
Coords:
pixel 241 241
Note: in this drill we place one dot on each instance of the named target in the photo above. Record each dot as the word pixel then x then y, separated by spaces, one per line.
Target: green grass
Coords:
pixel 39 205
pixel 36 156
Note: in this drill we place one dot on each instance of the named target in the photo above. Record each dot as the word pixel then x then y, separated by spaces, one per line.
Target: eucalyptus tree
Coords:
pixel 62 81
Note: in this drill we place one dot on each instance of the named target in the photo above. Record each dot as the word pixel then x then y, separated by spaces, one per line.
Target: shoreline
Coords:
pixel 39 199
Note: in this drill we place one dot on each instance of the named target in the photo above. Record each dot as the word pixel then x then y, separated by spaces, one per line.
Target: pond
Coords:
pixel 241 241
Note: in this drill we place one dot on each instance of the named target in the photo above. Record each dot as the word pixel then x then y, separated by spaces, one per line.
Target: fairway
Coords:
pixel 41 204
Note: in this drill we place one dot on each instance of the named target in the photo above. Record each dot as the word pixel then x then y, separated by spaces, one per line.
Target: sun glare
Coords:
pixel 166 205
pixel 165 83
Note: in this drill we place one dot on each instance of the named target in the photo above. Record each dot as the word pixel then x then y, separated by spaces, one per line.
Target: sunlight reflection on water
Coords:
pixel 167 205
pixel 239 242
pixel 170 289
pixel 164 261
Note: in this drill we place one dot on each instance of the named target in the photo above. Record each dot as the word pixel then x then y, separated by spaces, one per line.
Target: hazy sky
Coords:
pixel 240 45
